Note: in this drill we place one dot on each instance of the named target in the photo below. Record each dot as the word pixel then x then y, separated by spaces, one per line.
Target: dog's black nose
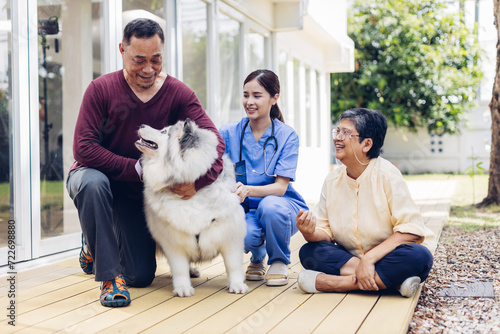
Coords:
pixel 143 126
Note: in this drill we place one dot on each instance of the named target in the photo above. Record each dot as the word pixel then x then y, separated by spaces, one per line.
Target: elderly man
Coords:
pixel 105 180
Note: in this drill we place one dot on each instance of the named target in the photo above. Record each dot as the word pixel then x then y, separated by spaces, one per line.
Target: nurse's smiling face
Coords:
pixel 257 101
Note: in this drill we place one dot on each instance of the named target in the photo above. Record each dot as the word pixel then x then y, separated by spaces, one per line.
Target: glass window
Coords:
pixel 231 87
pixel 68 61
pixel 6 171
pixel 97 28
pixel 308 111
pixel 194 47
pixel 256 44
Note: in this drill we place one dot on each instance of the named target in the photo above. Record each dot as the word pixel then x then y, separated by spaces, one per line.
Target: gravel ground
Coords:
pixel 461 256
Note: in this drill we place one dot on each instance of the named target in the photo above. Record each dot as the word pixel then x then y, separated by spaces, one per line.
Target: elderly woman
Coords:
pixel 366 233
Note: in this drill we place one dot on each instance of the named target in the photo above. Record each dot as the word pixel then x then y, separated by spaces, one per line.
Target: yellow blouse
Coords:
pixel 360 214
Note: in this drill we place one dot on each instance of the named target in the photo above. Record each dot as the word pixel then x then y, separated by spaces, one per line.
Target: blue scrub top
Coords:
pixel 283 163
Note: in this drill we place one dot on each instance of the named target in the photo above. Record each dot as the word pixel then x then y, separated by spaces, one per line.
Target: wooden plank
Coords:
pixel 72 310
pixel 158 307
pixel 92 317
pixel 57 302
pixel 197 312
pixel 315 309
pixel 45 288
pixel 391 314
pixel 55 296
pixel 155 306
pixel 265 318
pixel 53 309
pixel 243 308
pixel 348 316
pixel 216 303
pixel 29 279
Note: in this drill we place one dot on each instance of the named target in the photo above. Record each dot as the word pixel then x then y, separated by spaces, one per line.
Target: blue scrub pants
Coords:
pixel 403 262
pixel 270 227
pixel 115 228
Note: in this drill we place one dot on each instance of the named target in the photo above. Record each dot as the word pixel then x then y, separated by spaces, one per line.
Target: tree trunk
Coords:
pixel 494 180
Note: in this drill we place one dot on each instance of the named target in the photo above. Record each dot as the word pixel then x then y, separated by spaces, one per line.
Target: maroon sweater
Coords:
pixel 110 116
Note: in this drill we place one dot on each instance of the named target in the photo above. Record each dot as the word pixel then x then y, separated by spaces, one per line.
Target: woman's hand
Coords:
pixel 306 222
pixel 242 190
pixel 365 275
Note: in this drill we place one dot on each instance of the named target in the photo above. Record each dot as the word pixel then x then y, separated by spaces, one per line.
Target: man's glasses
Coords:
pixel 342 134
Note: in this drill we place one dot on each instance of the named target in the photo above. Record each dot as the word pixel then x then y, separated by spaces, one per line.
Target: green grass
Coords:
pixel 52 193
pixel 4 197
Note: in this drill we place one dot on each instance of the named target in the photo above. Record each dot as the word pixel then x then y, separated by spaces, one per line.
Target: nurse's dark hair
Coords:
pixel 142 28
pixel 369 124
pixel 269 80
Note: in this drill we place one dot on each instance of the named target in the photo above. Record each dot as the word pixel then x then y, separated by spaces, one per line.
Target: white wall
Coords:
pixel 413 154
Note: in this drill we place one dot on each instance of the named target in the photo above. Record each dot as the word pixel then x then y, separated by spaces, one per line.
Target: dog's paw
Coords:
pixel 194 272
pixel 238 287
pixel 183 291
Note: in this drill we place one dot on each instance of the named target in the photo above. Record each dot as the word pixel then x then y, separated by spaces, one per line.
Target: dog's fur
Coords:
pixel 211 222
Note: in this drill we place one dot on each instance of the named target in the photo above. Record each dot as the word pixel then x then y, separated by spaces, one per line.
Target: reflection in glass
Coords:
pixel 50 114
pixel 257 51
pixel 6 171
pixel 231 87
pixel 65 70
pixel 194 47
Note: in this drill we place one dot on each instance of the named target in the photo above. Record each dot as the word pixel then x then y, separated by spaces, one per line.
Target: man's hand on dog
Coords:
pixel 186 191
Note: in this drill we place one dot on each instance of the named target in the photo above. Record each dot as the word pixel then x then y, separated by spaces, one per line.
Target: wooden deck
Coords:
pixel 61 298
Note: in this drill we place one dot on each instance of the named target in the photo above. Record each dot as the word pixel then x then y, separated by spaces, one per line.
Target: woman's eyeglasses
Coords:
pixel 342 134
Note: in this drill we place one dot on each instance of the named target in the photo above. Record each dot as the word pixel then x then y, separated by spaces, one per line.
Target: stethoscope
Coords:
pixel 271 137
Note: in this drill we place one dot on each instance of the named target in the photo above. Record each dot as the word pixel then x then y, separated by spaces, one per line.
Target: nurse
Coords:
pixel 265 152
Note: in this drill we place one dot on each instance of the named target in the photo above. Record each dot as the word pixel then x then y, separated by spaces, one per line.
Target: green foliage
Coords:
pixel 475 169
pixel 195 62
pixel 415 63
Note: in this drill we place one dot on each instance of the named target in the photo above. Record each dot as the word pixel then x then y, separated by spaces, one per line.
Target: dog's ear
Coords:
pixel 189 137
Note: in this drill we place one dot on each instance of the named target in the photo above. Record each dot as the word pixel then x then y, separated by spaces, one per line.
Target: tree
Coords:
pixel 414 62
pixel 494 179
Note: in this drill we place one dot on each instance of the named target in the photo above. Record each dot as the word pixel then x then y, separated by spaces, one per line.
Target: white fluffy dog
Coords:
pixel 211 222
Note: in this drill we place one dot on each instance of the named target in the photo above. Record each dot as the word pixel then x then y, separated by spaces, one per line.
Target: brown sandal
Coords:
pixel 256 271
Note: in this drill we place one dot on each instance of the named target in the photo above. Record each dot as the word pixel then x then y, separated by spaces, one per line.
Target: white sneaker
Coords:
pixel 409 286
